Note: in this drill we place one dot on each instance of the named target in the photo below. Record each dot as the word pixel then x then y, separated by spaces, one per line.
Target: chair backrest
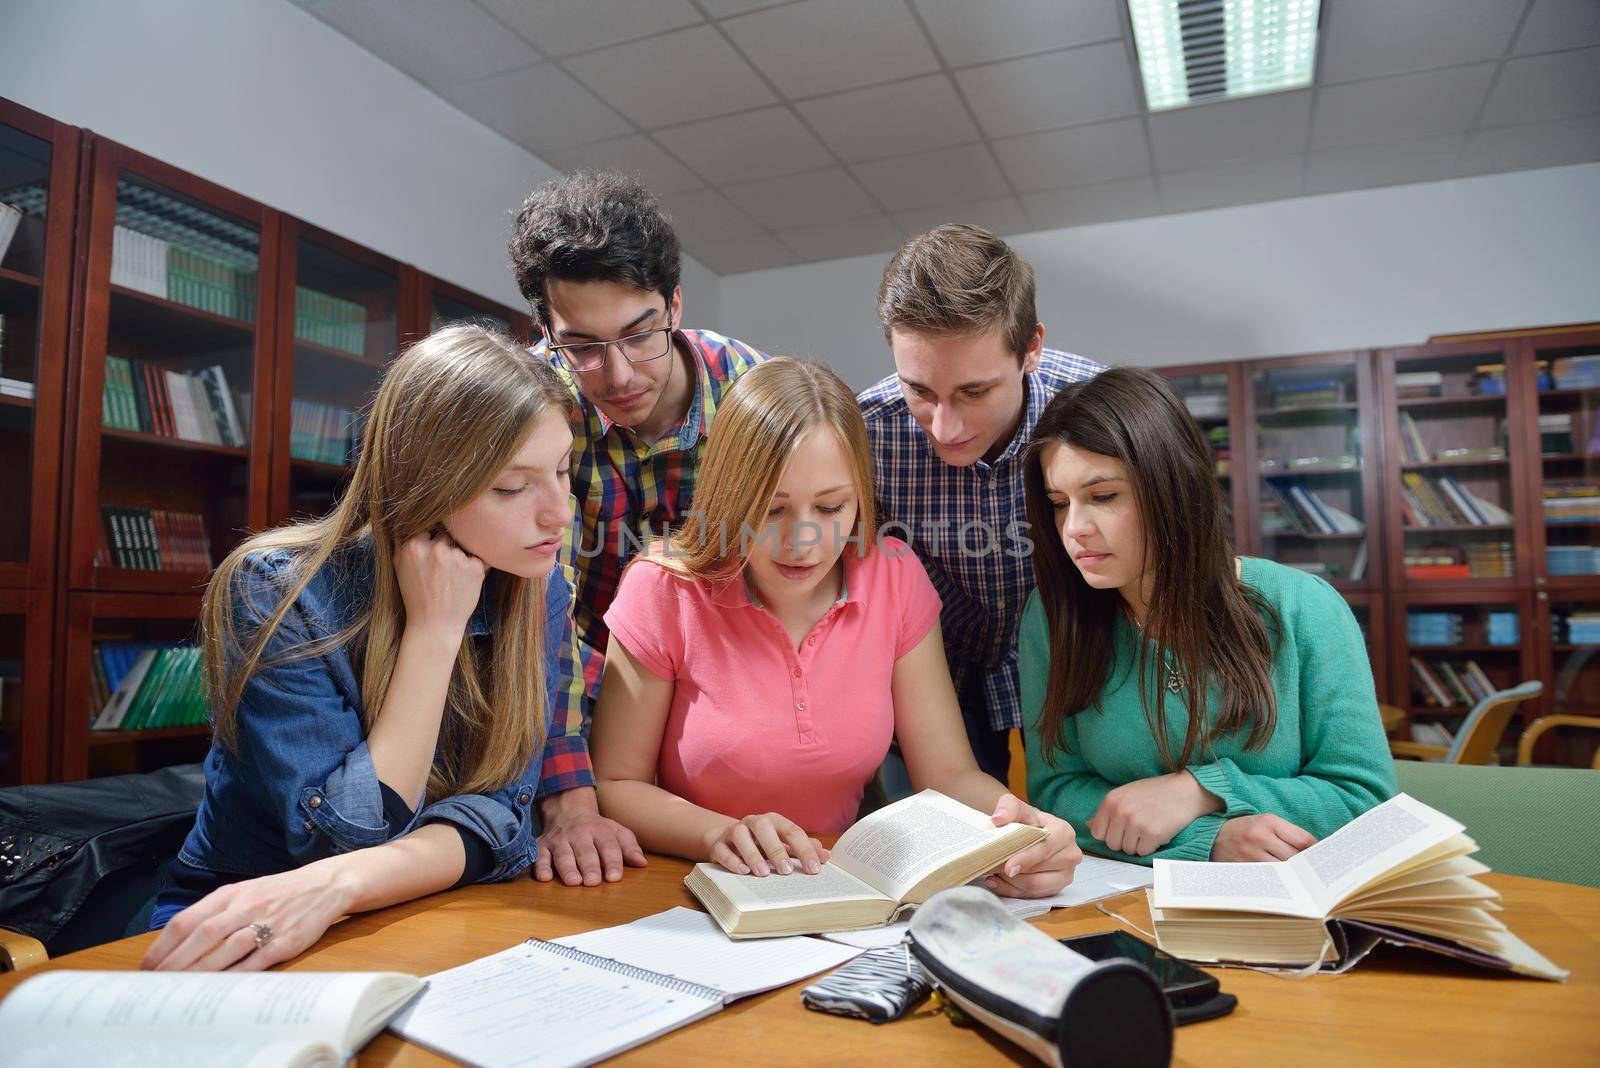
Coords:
pixel 1480 733
pixel 1540 822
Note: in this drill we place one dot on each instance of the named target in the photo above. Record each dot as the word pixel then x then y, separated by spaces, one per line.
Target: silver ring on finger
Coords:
pixel 262 931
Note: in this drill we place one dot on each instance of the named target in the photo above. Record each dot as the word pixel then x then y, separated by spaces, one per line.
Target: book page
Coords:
pixel 1251 887
pixel 688 944
pixel 236 1005
pixel 143 1052
pixel 897 846
pixel 754 892
pixel 1368 846
pixel 529 1006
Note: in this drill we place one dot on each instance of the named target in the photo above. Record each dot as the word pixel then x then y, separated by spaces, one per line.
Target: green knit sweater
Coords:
pixel 1326 763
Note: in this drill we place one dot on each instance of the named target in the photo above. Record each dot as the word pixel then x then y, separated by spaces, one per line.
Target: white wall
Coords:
pixel 259 96
pixel 1349 270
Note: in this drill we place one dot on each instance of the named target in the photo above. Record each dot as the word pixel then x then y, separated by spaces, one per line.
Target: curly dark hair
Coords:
pixel 592 226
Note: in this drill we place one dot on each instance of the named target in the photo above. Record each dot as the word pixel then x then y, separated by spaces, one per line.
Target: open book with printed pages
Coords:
pixel 241 1019
pixel 888 863
pixel 1401 872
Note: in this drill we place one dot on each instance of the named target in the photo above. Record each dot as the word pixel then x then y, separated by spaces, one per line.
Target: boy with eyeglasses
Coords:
pixel 598 264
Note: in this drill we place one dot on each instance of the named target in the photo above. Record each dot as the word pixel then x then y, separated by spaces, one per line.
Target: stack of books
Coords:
pixel 326 320
pixel 1491 559
pixel 1436 562
pixel 1415 385
pixel 1308 513
pixel 1576 372
pixel 141 686
pixel 1433 628
pixel 1578 627
pixel 1500 628
pixel 1572 559
pixel 1449 685
pixel 1489 380
pixel 191 405
pixel 1208 405
pixel 1307 392
pixel 323 433
pixel 1571 501
pixel 1442 501
pixel 152 539
pixel 1555 434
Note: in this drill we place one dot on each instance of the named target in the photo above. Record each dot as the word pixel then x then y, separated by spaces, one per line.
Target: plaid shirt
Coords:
pixel 983 581
pixel 626 490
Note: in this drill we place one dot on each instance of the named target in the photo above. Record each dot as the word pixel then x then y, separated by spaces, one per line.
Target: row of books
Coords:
pixel 142 686
pixel 1307 512
pixel 12 387
pixel 1446 685
pixel 1571 501
pixel 1414 450
pixel 191 405
pixel 1210 405
pixel 1576 372
pixel 328 320
pixel 1444 627
pixel 324 433
pixel 1488 559
pixel 1441 501
pixel 183 275
pixel 1306 392
pixel 1572 559
pixel 1578 627
pixel 152 539
pixel 1488 380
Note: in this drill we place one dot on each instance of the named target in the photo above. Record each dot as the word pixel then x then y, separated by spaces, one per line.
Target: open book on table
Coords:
pixel 887 863
pixel 244 1020
pixel 1400 872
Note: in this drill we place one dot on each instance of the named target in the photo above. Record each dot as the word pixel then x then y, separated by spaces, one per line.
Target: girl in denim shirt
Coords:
pixel 382 679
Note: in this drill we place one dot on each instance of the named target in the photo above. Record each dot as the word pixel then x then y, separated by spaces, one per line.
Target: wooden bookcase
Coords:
pixel 1203 387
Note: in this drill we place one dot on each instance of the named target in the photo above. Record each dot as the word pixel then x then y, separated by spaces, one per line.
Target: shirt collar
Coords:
pixel 736 592
pixel 698 416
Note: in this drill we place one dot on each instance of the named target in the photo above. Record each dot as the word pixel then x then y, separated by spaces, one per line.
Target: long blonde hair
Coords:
pixel 451 412
pixel 757 427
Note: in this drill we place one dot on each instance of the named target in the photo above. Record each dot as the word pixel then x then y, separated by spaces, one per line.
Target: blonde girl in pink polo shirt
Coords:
pixel 761 662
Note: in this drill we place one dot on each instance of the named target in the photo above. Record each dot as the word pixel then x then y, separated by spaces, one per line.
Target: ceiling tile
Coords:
pixel 1230 131
pixel 1408 105
pixel 891 120
pixel 928 179
pixel 803 199
pixel 751 144
pixel 1075 156
pixel 1241 183
pixel 1057 89
pixel 1107 201
pixel 538 107
pixel 1554 24
pixel 1366 38
pixel 756 252
pixel 677 77
pixel 723 8
pixel 636 155
pixel 841 240
pixel 434 42
pixel 1546 144
pixel 562 27
pixel 982 31
pixel 1541 88
pixel 706 217
pixel 1395 163
pixel 821 46
pixel 1000 215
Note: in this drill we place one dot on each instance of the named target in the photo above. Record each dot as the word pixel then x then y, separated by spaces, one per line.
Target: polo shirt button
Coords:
pixel 800 706
pixel 811 641
pixel 797 673
pixel 315 802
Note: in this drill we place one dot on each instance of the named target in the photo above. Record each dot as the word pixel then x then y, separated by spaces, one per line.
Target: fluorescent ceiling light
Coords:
pixel 1196 50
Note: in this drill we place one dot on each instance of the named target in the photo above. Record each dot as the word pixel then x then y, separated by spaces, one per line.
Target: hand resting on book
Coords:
pixel 764 843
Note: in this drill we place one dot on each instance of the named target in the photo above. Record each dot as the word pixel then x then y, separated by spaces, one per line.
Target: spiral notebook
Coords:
pixel 539 1003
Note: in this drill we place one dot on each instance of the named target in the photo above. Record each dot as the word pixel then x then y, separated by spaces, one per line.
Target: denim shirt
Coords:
pixel 302 785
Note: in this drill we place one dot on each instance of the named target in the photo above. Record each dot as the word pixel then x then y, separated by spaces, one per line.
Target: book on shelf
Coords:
pixel 169 248
pixel 1572 559
pixel 1208 405
pixel 327 320
pixel 1501 627
pixel 1307 511
pixel 154 539
pixel 10 219
pixel 1307 392
pixel 1412 385
pixel 1571 501
pixel 1576 372
pixel 1443 501
pixel 885 865
pixel 1488 380
pixel 248 1020
pixel 1413 450
pixel 1577 627
pixel 323 433
pixel 161 687
pixel 189 405
pixel 1555 434
pixel 1401 873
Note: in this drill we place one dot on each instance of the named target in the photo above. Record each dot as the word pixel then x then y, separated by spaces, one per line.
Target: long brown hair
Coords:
pixel 758 425
pixel 450 413
pixel 1219 631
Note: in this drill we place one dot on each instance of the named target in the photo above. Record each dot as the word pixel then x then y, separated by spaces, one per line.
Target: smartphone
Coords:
pixel 1193 994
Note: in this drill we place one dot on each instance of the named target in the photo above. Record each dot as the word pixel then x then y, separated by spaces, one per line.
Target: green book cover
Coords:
pixel 139 708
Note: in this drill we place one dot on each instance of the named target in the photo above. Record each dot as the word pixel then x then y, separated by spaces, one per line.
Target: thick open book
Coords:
pixel 1400 872
pixel 243 1020
pixel 891 861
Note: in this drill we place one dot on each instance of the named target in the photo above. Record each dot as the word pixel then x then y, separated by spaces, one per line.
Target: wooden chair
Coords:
pixel 18 951
pixel 1544 723
pixel 1479 737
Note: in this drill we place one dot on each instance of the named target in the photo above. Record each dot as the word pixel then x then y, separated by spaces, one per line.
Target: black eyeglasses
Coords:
pixel 588 356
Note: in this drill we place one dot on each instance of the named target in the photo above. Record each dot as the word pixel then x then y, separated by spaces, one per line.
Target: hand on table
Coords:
pixel 1140 817
pixel 581 846
pixel 214 934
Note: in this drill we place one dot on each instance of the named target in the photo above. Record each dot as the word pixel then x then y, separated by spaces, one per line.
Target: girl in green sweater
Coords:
pixel 1141 605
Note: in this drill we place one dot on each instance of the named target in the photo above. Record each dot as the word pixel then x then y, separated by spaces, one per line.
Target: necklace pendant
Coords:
pixel 1174 683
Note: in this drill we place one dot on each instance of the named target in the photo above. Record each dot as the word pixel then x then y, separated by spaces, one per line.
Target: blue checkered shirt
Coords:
pixel 983 581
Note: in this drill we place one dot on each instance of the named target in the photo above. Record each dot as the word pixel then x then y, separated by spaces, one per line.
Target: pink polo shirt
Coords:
pixel 758 725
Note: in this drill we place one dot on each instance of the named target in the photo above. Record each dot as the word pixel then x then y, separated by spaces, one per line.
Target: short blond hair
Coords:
pixel 958 280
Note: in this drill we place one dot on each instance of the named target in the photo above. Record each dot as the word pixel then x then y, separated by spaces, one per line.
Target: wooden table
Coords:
pixel 1398 1006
